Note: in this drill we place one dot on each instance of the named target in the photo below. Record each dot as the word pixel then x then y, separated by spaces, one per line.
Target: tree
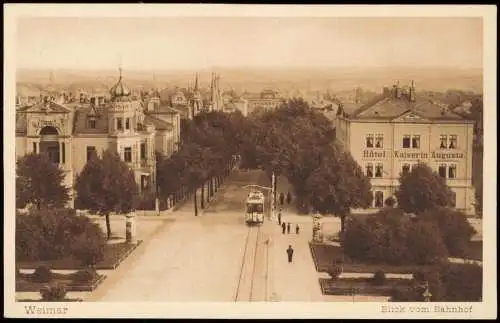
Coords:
pixel 424 243
pixel 107 185
pixel 51 234
pixel 40 182
pixel 422 189
pixel 390 237
pixel 455 230
pixel 338 185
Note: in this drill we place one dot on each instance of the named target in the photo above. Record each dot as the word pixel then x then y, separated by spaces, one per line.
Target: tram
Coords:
pixel 255 208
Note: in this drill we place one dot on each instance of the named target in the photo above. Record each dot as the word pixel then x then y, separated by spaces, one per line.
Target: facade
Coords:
pixel 70 133
pixel 266 100
pixel 397 130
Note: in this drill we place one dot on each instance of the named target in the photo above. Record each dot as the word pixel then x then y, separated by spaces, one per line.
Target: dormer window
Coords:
pixel 91 123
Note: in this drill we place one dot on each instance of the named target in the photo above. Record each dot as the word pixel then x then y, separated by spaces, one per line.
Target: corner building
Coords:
pixel 397 130
pixel 69 135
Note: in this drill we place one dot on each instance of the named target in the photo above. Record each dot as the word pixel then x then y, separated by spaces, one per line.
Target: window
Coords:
pixel 378 170
pixel 91 123
pixel 444 141
pixel 63 152
pixel 442 170
pixel 453 142
pixel 379 141
pixel 127 123
pixel 127 154
pixel 452 171
pixel 143 150
pixel 369 170
pixel 144 181
pixel 257 208
pixel 34 147
pixel 90 152
pixel 415 143
pixel 406 169
pixel 453 199
pixel 406 141
pixel 379 199
pixel 369 141
pixel 119 124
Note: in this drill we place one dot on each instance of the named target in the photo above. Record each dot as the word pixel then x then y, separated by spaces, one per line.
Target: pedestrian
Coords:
pixel 282 198
pixel 283 227
pixel 289 252
pixel 297 229
pixel 279 218
pixel 288 198
pixel 288 228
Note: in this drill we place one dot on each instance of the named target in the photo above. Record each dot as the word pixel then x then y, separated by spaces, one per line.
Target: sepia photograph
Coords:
pixel 250 161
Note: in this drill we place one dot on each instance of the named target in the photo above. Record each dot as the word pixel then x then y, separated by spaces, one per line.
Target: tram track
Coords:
pixel 246 279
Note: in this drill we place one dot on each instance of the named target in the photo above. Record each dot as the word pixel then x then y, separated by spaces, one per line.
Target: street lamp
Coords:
pixel 427 294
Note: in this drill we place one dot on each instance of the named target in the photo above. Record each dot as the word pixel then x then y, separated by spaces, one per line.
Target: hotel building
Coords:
pixel 396 130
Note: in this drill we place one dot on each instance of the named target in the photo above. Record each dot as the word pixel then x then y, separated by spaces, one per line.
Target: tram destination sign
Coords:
pixel 412 155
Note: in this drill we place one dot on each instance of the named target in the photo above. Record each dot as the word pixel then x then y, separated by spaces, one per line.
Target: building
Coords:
pixel 266 100
pixel 236 104
pixel 70 133
pixel 396 130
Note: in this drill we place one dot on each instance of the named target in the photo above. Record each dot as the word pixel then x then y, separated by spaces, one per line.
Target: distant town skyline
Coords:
pixel 247 42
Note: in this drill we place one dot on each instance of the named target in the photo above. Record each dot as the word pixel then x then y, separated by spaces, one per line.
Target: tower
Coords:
pixel 195 100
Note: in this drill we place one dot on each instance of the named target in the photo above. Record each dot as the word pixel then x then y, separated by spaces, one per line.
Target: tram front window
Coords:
pixel 255 208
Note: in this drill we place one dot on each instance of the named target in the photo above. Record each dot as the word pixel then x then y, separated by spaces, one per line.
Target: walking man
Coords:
pixel 288 228
pixel 283 227
pixel 289 252
pixel 282 198
pixel 279 218
pixel 288 198
pixel 297 229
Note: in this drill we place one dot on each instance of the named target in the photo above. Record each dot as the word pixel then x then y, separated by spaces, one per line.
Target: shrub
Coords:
pixel 389 237
pixel 53 293
pixel 390 201
pixel 463 283
pixel 42 274
pixel 378 278
pixel 424 243
pixel 335 270
pixel 49 234
pixel 454 228
pixel 88 247
pixel 85 276
pixel 146 201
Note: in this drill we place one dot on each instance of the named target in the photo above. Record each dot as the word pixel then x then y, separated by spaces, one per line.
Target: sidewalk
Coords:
pixel 296 281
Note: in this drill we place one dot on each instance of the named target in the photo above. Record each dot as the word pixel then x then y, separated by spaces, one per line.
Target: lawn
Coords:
pixel 114 254
pixel 24 283
pixel 348 286
pixel 325 255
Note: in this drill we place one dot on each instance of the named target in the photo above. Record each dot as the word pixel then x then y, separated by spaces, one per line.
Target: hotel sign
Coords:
pixel 382 154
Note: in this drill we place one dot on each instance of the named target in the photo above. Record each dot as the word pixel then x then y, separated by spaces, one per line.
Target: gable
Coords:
pixel 410 116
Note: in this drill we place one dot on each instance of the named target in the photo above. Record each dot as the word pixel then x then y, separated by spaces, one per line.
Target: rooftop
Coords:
pixel 402 101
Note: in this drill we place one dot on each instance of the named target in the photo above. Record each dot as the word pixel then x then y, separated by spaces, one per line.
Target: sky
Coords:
pixel 154 43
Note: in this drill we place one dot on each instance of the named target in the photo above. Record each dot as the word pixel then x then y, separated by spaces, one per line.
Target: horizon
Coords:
pixel 194 43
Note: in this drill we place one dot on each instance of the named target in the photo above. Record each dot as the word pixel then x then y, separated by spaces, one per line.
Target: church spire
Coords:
pixel 196 82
